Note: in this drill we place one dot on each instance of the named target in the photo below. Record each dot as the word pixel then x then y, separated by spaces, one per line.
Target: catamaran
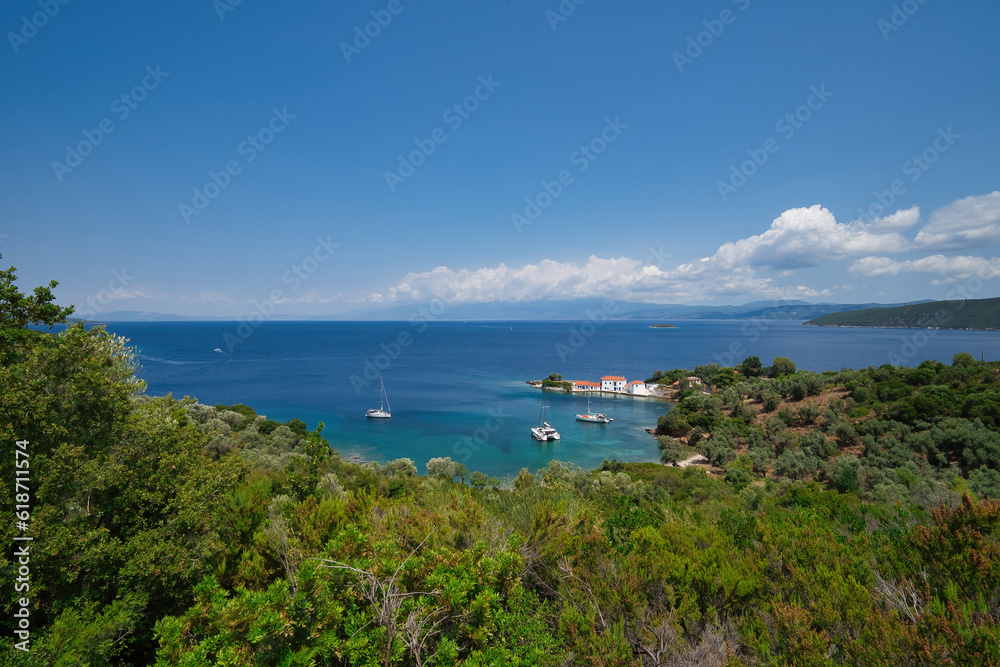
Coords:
pixel 596 417
pixel 543 432
pixel 384 410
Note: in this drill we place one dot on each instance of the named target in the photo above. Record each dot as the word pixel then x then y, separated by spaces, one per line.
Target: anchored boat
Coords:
pixel 595 417
pixel 543 432
pixel 384 411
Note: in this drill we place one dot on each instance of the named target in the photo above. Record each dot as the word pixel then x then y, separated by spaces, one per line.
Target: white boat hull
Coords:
pixel 544 433
pixel 595 419
pixel 383 411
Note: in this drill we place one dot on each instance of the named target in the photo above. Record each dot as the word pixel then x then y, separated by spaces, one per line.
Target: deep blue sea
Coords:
pixel 458 389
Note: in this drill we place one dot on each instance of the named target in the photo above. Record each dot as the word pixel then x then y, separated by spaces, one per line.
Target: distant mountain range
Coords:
pixel 771 310
pixel 577 310
pixel 966 314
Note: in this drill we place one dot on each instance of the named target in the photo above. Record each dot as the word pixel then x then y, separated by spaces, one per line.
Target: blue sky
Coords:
pixel 684 179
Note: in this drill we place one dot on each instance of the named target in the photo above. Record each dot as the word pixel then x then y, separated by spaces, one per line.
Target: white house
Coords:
pixel 638 388
pixel 585 385
pixel 613 383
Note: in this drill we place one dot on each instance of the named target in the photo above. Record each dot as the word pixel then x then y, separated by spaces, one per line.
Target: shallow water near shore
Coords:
pixel 458 389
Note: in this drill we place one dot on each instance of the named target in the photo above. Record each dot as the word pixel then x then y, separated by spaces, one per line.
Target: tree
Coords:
pixel 479 480
pixel 781 366
pixel 401 468
pixel 963 359
pixel 723 377
pixel 18 311
pixel 445 468
pixel 985 483
pixel 525 480
pixel 672 450
pixel 750 367
pixel 797 389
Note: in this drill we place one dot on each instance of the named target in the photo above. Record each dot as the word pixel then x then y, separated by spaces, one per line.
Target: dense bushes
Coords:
pixel 173 533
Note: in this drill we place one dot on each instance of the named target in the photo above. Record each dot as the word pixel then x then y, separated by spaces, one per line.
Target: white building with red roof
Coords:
pixel 613 383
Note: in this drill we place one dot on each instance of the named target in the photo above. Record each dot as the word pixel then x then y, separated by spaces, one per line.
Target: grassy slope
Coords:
pixel 967 314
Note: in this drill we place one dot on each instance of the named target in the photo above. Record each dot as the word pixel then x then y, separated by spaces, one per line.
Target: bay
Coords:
pixel 458 389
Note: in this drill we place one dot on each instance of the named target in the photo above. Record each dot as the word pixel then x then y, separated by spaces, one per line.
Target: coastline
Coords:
pixel 538 384
pixel 889 326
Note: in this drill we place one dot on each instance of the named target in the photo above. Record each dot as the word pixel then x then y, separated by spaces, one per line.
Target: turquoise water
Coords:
pixel 459 389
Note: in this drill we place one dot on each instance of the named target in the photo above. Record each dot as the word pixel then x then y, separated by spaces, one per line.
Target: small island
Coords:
pixel 662 326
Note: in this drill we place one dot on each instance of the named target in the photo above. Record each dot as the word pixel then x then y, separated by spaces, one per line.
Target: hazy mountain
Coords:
pixel 581 309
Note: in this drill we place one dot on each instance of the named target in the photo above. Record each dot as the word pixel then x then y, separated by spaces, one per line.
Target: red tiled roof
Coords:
pixel 637 382
pixel 613 377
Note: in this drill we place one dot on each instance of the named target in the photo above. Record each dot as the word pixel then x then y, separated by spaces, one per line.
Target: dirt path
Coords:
pixel 696 460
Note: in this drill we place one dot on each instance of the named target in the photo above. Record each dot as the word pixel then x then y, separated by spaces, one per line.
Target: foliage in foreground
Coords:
pixel 173 533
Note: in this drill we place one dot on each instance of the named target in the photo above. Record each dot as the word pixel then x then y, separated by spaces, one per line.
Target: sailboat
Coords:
pixel 596 417
pixel 384 410
pixel 543 432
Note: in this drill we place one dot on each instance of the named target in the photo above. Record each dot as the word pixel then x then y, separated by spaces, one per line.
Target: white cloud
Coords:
pixel 546 280
pixel 123 294
pixel 804 237
pixel 966 223
pixel 309 297
pixel 898 220
pixel 954 268
pixel 207 297
pixel 798 238
pixel 620 278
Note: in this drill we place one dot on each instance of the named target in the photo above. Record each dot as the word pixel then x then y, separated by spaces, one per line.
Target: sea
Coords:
pixel 459 389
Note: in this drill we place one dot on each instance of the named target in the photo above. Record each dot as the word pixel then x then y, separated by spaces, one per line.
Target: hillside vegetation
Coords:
pixel 962 314
pixel 166 532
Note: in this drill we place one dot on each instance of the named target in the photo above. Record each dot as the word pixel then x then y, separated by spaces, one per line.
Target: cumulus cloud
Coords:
pixel 953 268
pixel 805 237
pixel 966 223
pixel 547 279
pixel 620 278
pixel 798 238
pixel 898 220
